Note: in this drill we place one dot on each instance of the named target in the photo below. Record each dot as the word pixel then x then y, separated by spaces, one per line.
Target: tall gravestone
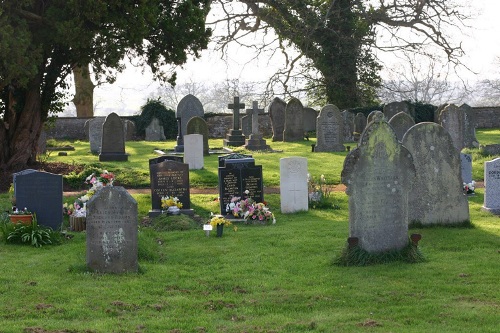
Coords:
pixel 401 122
pixel 111 226
pixel 437 197
pixel 452 118
pixel 466 167
pixel 255 140
pixel 198 125
pixel 378 176
pixel 193 151
pixel 470 140
pixel 392 109
pixel 154 131
pixel 95 133
pixel 277 115
pixel 246 125
pixel 310 116
pixel 293 184
pixel 188 107
pixel 492 186
pixel 329 130
pixel 113 140
pixel 294 121
pixel 359 125
pixel 348 118
pixel 42 193
pixel 235 136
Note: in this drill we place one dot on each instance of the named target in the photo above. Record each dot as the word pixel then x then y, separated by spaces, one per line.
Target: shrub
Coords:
pixel 33 234
pixel 156 109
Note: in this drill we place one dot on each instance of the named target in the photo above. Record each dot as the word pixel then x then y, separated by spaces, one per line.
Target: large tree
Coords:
pixel 41 41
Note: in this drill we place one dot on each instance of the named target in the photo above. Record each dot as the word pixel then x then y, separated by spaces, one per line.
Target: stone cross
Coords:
pixel 236 106
pixel 255 111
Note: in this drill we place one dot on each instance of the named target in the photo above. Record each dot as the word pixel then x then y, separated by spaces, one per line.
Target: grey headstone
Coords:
pixel 193 151
pixel 129 130
pixel 293 184
pixel 348 126
pixel 188 107
pixel 452 118
pixel 198 125
pixel 277 115
pixel 470 140
pixel 466 167
pixel 359 125
pixel 294 121
pixel 310 116
pixel 255 140
pixel 492 186
pixel 378 175
pixel 437 196
pixel 371 115
pixel 42 193
pixel 113 140
pixel 95 134
pixel 329 130
pixel 401 122
pixel 112 231
pixel 154 131
pixel 246 125
pixel 391 109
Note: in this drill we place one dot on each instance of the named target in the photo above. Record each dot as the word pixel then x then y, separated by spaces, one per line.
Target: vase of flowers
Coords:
pixel 21 216
pixel 219 222
pixel 171 205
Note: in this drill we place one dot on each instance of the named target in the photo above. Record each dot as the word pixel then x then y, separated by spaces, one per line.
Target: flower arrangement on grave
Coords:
pixel 17 211
pixel 23 216
pixel 168 201
pixel 216 220
pixel 469 188
pixel 320 195
pixel 251 211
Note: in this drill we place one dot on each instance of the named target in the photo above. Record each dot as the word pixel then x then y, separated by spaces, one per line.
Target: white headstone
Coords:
pixel 492 186
pixel 293 184
pixel 193 151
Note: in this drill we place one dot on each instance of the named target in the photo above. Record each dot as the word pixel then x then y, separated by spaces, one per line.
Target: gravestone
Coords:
pixel 111 226
pixel 246 125
pixel 437 196
pixel 470 140
pixel 310 116
pixel 378 176
pixel 129 130
pixel 154 131
pixel 329 130
pixel 255 140
pixel 277 115
pixel 437 112
pixel 113 140
pixel 294 121
pixel 466 167
pixel 401 122
pixel 237 174
pixel 371 115
pixel 198 125
pixel 391 109
pixel 193 151
pixel 359 125
pixel 348 118
pixel 175 158
pixel 235 136
pixel 452 118
pixel 492 186
pixel 23 172
pixel 169 178
pixel 95 133
pixel 293 184
pixel 188 107
pixel 41 193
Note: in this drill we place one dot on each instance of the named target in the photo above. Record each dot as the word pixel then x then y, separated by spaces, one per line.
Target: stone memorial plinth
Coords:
pixel 329 130
pixel 113 140
pixel 293 185
pixel 277 115
pixel 112 231
pixel 492 186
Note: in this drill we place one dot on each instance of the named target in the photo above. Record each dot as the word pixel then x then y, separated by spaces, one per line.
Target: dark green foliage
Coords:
pixel 180 222
pixel 6 227
pixel 33 234
pixel 366 110
pixel 424 112
pixel 156 109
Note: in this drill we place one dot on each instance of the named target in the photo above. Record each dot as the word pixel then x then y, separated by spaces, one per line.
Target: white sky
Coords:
pixel 132 87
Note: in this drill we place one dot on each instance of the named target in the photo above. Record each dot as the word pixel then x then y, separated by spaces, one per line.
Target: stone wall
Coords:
pixel 487 117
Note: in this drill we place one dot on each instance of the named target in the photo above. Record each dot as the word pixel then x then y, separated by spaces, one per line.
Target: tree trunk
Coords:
pixel 84 92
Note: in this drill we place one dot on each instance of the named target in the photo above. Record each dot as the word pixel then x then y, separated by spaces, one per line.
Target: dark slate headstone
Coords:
pixel 112 226
pixel 378 175
pixel 277 115
pixel 198 125
pixel 466 167
pixel 23 172
pixel 310 116
pixel 42 193
pixel 294 121
pixel 113 140
pixel 188 107
pixel 401 122
pixel 233 156
pixel 330 130
pixel 169 178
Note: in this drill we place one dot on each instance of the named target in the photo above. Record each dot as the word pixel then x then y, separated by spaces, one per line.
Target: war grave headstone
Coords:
pixel 310 116
pixel 466 167
pixel 378 176
pixel 42 193
pixel 391 109
pixel 348 118
pixel 293 184
pixel 235 136
pixel 452 118
pixel 492 186
pixel 255 140
pixel 294 121
pixel 359 125
pixel 198 125
pixel 237 174
pixel 169 178
pixel 277 115
pixel 111 226
pixel 113 140
pixel 188 107
pixel 246 125
pixel 95 133
pixel 154 131
pixel 470 140
pixel 193 151
pixel 437 197
pixel 329 130
pixel 401 122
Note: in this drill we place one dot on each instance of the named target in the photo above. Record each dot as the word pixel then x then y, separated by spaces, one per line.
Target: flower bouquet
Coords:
pixel 218 222
pixel 469 188
pixel 171 204
pixel 251 211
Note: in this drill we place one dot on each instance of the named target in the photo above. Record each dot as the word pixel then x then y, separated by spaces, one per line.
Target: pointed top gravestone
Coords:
pixel 113 140
pixel 277 115
pixel 401 122
pixel 294 121
pixel 198 125
pixel 329 130
pixel 378 176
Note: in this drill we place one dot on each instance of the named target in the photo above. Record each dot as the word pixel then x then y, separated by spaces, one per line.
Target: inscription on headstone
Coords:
pixel 329 130
pixel 169 178
pixel 492 186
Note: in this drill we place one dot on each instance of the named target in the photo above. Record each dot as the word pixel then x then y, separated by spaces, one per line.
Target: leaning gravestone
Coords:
pixel 193 151
pixel 452 118
pixel 492 186
pixel 437 196
pixel 113 140
pixel 359 125
pixel 392 109
pixel 154 131
pixel 95 133
pixel 310 116
pixel 378 176
pixel 42 193
pixel 277 115
pixel 111 226
pixel 329 130
pixel 466 167
pixel 294 121
pixel 401 122
pixel 348 118
pixel 293 184
pixel 188 107
pixel 198 125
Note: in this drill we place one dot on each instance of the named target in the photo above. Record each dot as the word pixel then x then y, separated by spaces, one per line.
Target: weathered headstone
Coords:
pixel 188 107
pixel 378 175
pixel 371 116
pixel 466 167
pixel 329 130
pixel 113 140
pixel 235 136
pixel 348 118
pixel 401 122
pixel 359 125
pixel 129 130
pixel 470 140
pixel 492 186
pixel 294 121
pixel 246 125
pixel 154 131
pixel 112 231
pixel 452 118
pixel 437 196
pixel 95 133
pixel 391 109
pixel 293 184
pixel 310 116
pixel 193 151
pixel 198 125
pixel 277 115
pixel 42 193
pixel 255 141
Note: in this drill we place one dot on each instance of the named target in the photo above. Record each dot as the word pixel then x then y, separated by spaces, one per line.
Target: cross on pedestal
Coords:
pixel 236 107
pixel 255 111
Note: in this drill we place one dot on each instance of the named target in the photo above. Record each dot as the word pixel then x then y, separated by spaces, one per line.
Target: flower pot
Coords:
pixel 220 229
pixel 24 219
pixel 77 223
